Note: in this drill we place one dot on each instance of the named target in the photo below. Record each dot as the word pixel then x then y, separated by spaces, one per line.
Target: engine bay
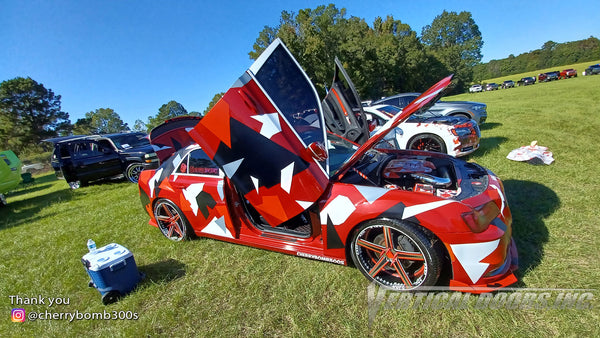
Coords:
pixel 410 171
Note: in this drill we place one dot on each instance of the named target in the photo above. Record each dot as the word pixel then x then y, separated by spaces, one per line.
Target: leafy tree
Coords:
pixel 166 111
pixel 455 40
pixel 383 60
pixel 29 113
pixel 140 126
pixel 102 121
pixel 212 102
pixel 551 54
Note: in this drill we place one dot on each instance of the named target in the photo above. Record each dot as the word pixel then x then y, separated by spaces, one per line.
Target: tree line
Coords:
pixel 383 58
pixel 31 113
pixel 551 54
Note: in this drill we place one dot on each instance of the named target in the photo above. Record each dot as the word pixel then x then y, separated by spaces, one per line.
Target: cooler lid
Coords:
pixel 106 256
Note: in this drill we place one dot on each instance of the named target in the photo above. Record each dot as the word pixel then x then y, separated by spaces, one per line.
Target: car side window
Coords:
pixel 198 163
pixel 404 101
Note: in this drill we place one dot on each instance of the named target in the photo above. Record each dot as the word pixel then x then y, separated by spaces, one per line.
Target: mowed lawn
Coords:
pixel 210 288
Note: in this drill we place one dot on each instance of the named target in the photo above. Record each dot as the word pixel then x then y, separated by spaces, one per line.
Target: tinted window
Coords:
pixel 292 93
pixel 198 163
pixel 126 141
pixel 405 100
pixel 86 149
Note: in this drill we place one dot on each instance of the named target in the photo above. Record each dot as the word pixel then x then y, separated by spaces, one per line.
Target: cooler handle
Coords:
pixel 118 266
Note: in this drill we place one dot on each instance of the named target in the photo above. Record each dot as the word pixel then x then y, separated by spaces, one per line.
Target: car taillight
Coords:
pixel 480 218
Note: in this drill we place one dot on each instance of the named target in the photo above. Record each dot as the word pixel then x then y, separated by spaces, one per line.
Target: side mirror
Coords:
pixel 315 150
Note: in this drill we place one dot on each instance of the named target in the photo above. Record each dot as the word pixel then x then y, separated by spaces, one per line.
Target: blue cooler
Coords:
pixel 113 271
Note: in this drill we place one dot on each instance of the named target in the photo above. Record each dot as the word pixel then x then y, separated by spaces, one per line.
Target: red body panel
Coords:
pixel 269 181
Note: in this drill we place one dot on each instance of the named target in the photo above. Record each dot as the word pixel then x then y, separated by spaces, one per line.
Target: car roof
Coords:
pixel 65 139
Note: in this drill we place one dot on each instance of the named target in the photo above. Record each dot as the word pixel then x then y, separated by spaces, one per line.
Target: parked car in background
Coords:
pixel 508 84
pixel 471 110
pixel 491 86
pixel 475 88
pixel 452 135
pixel 264 172
pixel 548 76
pixel 82 159
pixel 567 73
pixel 593 69
pixel 10 173
pixel 529 80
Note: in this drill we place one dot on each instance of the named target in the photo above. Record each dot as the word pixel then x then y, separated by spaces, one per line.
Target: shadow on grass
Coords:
pixel 488 144
pixel 163 272
pixel 25 211
pixel 530 203
pixel 489 125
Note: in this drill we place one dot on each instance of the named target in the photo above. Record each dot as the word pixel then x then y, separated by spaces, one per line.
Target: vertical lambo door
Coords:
pixel 267 135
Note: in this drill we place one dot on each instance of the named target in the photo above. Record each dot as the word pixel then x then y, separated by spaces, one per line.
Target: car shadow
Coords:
pixel 16 213
pixel 163 272
pixel 530 203
pixel 489 125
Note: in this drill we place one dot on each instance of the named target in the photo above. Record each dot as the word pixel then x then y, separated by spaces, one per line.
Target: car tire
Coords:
pixel 396 254
pixel 171 221
pixel 427 142
pixel 132 173
pixel 75 185
pixel 3 200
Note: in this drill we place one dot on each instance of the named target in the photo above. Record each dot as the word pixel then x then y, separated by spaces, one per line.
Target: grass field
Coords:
pixel 210 288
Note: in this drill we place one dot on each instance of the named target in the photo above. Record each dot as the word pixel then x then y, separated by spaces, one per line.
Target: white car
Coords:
pixel 475 88
pixel 453 135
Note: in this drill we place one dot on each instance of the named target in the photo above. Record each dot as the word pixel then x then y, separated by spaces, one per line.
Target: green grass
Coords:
pixel 209 288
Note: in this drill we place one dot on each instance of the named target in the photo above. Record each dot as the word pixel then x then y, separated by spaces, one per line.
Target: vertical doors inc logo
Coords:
pixel 18 315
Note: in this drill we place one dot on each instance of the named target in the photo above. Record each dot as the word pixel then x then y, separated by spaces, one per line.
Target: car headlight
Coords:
pixel 149 158
pixel 462 131
pixel 478 107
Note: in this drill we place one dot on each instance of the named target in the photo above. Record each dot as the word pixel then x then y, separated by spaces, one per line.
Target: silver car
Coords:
pixel 472 110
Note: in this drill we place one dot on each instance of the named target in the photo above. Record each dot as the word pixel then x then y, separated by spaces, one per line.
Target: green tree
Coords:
pixel 166 111
pixel 455 40
pixel 29 113
pixel 140 126
pixel 101 121
pixel 212 102
pixel 383 60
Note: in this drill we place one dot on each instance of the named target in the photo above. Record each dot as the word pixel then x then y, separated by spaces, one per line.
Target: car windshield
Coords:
pixel 339 150
pixel 126 141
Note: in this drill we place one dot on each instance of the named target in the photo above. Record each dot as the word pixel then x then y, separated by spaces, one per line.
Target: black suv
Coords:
pixel 81 159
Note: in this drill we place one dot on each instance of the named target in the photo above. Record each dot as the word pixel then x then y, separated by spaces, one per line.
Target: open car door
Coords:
pixel 342 108
pixel 267 134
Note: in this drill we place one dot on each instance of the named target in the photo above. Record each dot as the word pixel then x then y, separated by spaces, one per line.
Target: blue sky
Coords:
pixel 134 56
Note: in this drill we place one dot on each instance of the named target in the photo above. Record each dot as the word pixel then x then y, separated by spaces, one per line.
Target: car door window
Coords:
pixel 289 89
pixel 198 163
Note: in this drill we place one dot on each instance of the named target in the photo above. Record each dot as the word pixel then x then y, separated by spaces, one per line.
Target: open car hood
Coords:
pixel 268 135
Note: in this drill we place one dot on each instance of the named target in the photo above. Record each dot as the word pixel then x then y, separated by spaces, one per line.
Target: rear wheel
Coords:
pixel 396 254
pixel 171 221
pixel 428 142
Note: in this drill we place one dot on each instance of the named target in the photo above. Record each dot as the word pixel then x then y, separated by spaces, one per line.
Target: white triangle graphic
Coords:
pixel 420 208
pixel 231 167
pixel 470 255
pixel 371 194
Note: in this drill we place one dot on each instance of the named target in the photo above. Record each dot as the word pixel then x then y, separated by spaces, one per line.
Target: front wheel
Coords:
pixel 171 221
pixel 132 173
pixel 396 254
pixel 427 142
